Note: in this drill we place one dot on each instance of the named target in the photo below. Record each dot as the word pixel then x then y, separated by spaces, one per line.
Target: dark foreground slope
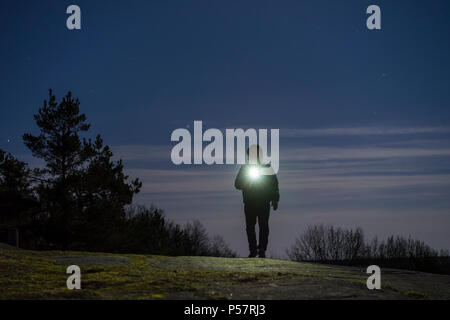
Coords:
pixel 42 275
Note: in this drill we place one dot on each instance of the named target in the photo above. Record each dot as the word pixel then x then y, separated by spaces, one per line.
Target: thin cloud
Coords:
pixel 142 152
pixel 336 153
pixel 358 131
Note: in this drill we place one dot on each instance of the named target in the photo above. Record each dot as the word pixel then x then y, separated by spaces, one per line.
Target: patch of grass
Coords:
pixel 26 275
pixel 35 275
pixel 416 294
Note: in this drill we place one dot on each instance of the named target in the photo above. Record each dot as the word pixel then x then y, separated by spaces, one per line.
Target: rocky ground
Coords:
pixel 42 275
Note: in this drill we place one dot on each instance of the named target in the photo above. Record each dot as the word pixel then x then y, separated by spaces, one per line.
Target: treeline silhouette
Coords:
pixel 331 245
pixel 81 198
pixel 168 238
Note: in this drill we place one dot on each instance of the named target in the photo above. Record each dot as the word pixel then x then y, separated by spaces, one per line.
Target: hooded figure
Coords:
pixel 259 185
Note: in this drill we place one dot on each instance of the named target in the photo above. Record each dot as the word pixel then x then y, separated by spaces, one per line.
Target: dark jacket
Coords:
pixel 260 191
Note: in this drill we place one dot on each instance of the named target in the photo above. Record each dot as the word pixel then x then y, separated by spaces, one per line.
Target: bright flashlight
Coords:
pixel 254 173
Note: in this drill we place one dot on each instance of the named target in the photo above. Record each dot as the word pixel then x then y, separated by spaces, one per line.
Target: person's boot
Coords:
pixel 252 254
pixel 262 254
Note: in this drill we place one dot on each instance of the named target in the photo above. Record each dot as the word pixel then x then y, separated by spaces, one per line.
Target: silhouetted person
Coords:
pixel 259 185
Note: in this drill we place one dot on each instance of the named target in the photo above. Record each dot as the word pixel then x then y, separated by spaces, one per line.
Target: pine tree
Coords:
pixel 82 190
pixel 16 196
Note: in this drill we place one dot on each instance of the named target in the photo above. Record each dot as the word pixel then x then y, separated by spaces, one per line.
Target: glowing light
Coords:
pixel 254 173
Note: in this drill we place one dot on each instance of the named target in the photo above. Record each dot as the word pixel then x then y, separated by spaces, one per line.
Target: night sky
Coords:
pixel 364 115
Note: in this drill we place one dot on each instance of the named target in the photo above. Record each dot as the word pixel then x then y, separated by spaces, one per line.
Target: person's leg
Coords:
pixel 250 222
pixel 263 223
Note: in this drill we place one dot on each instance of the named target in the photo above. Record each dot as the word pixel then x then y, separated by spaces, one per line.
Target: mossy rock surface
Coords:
pixel 42 275
pixel 92 260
